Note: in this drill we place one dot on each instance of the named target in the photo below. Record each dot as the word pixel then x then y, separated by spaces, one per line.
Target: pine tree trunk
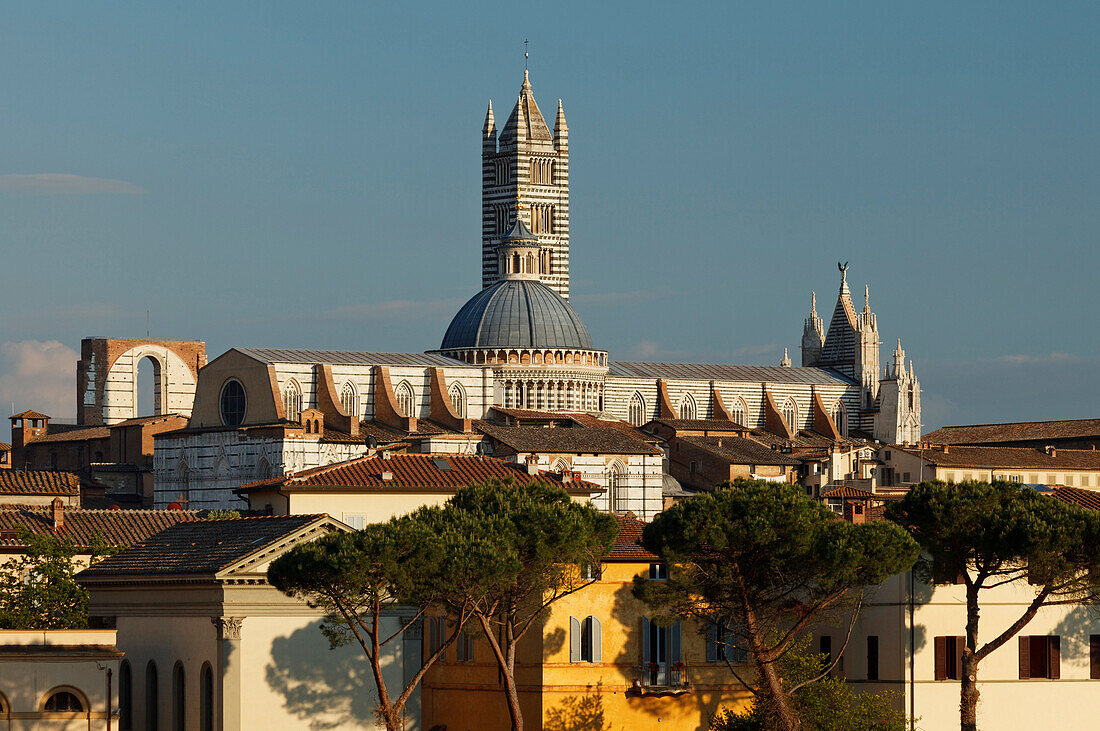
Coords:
pixel 786 719
pixel 510 689
pixel 968 692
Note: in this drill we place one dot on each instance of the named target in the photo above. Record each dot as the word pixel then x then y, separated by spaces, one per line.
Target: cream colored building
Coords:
pixel 905 466
pixel 58 680
pixel 210 645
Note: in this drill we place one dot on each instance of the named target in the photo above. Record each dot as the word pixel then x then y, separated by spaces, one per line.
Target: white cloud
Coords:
pixel 65 184
pixel 40 376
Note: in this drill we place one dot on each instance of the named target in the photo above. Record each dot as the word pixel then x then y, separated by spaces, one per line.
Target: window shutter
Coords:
pixel 1055 657
pixel 960 643
pixel 712 641
pixel 674 631
pixel 941 658
pixel 574 639
pixel 1025 658
pixel 645 640
pixel 597 640
pixel 729 637
pixel 1094 657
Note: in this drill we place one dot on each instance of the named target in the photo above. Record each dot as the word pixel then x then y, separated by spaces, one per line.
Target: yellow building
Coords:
pixel 597 662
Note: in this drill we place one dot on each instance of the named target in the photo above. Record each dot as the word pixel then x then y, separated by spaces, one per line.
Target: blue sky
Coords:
pixel 307 175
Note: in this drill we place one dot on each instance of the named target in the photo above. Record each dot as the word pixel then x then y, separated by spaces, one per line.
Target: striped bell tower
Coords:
pixel 525 172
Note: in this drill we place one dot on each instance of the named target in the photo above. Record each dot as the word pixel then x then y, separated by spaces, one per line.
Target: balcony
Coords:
pixel 660 679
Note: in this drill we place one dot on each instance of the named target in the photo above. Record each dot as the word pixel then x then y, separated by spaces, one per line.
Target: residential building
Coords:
pixel 376 488
pixel 904 466
pixel 1063 433
pixel 58 679
pixel 597 655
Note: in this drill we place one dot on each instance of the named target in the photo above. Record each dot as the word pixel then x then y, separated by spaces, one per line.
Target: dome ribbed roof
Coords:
pixel 517 313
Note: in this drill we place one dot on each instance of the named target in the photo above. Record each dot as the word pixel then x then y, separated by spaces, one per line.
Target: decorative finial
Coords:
pixel 843 271
pixel 786 362
pixel 525 54
pixel 867 296
pixel 813 303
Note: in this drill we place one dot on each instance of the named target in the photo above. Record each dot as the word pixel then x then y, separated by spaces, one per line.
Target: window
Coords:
pixel 179 700
pixel 840 418
pixel 1094 657
pixel 64 702
pixel 125 697
pixel 947 571
pixel 1014 478
pixel 206 699
pixel 152 714
pixel 437 633
pixel 1069 480
pixel 687 407
pixel 233 403
pixel 358 521
pixel 905 477
pixel 465 647
pixel 592 572
pixel 585 639
pixel 349 399
pixel 292 400
pixel 1033 479
pixel 790 415
pixel 723 643
pixel 1052 479
pixel 739 411
pixel 637 410
pixel 404 399
pixel 616 487
pixel 501 168
pixel 661 658
pixel 825 647
pixel 872 657
pixel 889 455
pixel 658 572
pixel 1040 657
pixel 458 400
pixel 542 219
pixel 948 656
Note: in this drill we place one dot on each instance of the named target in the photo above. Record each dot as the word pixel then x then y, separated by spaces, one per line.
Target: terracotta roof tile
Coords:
pixel 628 545
pixel 198 547
pixel 739 450
pixel 847 491
pixel 38 482
pixel 73 435
pixel 1008 457
pixel 1015 432
pixel 701 424
pixel 566 440
pixel 1077 496
pixel 412 472
pixel 29 415
pixel 114 527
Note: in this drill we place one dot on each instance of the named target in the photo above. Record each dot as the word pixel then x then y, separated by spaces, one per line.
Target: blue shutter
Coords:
pixel 712 641
pixel 574 639
pixel 645 640
pixel 597 640
pixel 674 632
pixel 730 638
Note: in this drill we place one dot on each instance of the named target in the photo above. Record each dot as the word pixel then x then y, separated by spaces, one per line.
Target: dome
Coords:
pixel 517 313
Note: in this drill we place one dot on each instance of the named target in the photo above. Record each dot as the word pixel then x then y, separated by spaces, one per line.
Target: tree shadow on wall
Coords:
pixel 1075 630
pixel 330 688
pixel 578 713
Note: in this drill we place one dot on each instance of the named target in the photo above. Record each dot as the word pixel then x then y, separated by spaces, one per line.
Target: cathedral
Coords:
pixel 516 344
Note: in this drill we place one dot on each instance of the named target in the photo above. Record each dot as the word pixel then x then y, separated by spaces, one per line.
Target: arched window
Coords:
pixel 458 399
pixel 206 699
pixel 64 701
pixel 125 697
pixel 233 403
pixel 179 699
pixel 637 410
pixel 404 395
pixel 183 478
pixel 349 399
pixel 616 487
pixel 263 469
pixel 687 407
pixel 152 714
pixel 790 415
pixel 292 400
pixel 840 418
pixel 738 411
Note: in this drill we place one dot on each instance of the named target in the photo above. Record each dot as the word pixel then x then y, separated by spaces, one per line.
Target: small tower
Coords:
pixel 526 161
pixel 813 335
pixel 898 418
pixel 866 364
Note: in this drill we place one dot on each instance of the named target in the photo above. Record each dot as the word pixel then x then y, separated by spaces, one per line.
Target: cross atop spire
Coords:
pixel 525 55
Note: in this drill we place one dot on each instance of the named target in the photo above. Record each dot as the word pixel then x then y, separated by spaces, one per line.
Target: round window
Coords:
pixel 233 403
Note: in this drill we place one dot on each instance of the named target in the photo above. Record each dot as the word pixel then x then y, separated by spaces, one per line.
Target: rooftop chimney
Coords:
pixel 532 464
pixel 57 512
pixel 387 476
pixel 1050 450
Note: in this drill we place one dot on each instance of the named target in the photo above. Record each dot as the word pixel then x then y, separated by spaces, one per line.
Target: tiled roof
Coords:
pixel 38 482
pixel 74 435
pixel 1008 457
pixel 580 418
pixel 806 439
pixel 147 419
pixel 114 527
pixel 1015 431
pixel 4 446
pixel 739 450
pixel 1077 496
pixel 628 545
pixel 847 491
pixel 199 547
pixel 701 424
pixel 344 357
pixel 28 415
pixel 579 440
pixel 742 373
pixel 412 472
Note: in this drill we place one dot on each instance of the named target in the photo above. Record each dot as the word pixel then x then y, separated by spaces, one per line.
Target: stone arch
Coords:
pixel 457 396
pixel 107 377
pixel 349 399
pixel 292 400
pixel 738 410
pixel 840 417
